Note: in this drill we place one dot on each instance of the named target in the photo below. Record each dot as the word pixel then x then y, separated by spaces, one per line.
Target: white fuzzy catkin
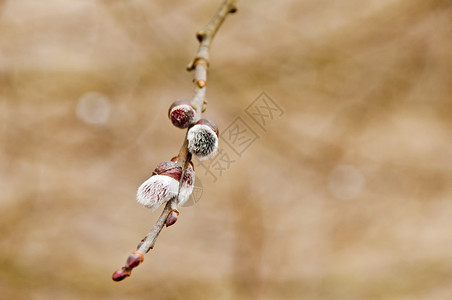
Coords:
pixel 186 188
pixel 157 190
pixel 202 141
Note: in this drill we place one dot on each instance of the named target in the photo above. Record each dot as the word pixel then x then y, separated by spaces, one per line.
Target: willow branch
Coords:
pixel 149 240
pixel 200 65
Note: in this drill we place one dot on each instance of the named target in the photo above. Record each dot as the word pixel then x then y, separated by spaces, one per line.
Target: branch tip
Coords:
pixel 121 274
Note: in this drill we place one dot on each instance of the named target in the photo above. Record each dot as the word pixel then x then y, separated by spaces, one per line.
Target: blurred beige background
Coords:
pixel 347 195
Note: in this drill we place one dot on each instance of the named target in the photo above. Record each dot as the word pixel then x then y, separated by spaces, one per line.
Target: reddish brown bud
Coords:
pixel 168 168
pixel 181 113
pixel 134 260
pixel 121 274
pixel 172 217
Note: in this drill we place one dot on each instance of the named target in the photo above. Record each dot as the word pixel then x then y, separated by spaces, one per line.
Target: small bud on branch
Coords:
pixel 172 217
pixel 133 261
pixel 181 113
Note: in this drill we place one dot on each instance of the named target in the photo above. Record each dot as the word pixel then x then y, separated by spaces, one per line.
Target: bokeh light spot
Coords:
pixel 346 182
pixel 93 108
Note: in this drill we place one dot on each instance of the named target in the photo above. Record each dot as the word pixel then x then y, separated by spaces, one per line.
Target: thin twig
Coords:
pixel 201 62
pixel 149 241
pixel 200 65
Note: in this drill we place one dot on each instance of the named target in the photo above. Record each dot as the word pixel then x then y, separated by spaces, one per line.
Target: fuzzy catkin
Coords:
pixel 202 141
